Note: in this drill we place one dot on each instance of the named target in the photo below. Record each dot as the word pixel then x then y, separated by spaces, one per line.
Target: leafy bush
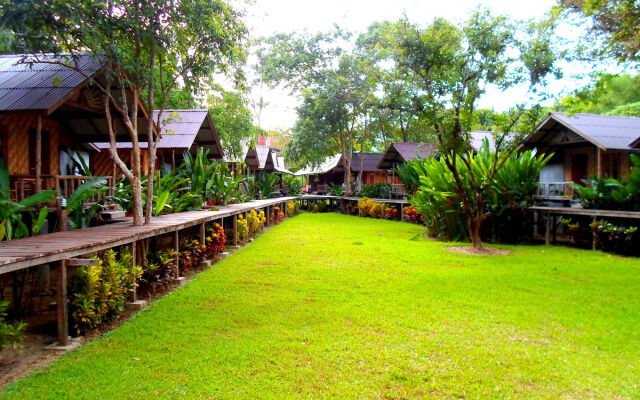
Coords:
pixel 409 175
pixel 243 228
pixel 616 239
pixel 98 293
pixel 11 333
pixel 412 215
pixel 335 190
pixel 267 183
pixel 291 208
pixel 377 191
pixel 255 221
pixel 370 208
pixel 293 184
pixel 276 216
pixel 391 213
pixel 216 240
pixel 508 196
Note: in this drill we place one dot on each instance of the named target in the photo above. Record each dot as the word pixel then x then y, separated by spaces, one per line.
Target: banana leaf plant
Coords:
pixel 267 183
pixel 12 225
pixel 76 202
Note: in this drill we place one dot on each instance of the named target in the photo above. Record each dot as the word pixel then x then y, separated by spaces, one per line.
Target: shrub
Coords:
pixel 376 191
pixel 216 240
pixel 616 239
pixel 255 221
pixel 507 197
pixel 291 208
pixel 391 213
pixel 370 208
pixel 293 184
pixel 11 334
pixel 243 229
pixel 412 215
pixel 276 216
pixel 98 293
pixel 335 190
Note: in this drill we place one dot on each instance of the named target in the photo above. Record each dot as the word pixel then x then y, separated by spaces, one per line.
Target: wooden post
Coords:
pixel 113 176
pixel 173 160
pixel 61 305
pixel 234 239
pixel 547 233
pixel 62 215
pixel 38 165
pixel 176 243
pixel 401 212
pixel 268 215
pixel 203 236
pixel 594 245
pixel 598 162
pixel 132 293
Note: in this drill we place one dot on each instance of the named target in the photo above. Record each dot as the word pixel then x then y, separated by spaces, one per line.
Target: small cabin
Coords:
pixel 583 145
pixel 50 115
pixel 182 131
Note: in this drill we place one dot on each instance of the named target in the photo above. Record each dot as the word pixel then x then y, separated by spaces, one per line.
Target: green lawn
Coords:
pixel 332 306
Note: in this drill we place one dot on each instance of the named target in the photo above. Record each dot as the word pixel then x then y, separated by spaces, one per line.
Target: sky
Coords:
pixel 266 17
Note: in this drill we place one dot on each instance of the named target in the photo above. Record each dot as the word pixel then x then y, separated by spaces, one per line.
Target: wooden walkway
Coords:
pixel 23 253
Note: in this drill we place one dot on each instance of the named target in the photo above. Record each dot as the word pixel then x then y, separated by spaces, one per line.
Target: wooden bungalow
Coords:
pixel 368 164
pixel 257 158
pixel 331 171
pixel 583 145
pixel 400 152
pixel 181 130
pixel 46 112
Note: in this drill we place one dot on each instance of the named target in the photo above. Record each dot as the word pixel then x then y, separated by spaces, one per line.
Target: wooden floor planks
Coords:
pixel 27 252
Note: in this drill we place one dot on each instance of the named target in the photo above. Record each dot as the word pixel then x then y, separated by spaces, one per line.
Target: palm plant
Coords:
pixel 293 184
pixel 76 202
pixel 267 183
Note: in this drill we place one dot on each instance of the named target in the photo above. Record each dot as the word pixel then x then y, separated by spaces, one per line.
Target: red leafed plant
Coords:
pixel 215 241
pixel 277 215
pixel 411 215
pixel 391 213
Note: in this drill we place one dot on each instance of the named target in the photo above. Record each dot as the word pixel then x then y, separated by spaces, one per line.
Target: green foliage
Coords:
pixel 97 293
pixel 76 202
pixel 377 191
pixel 409 175
pixel 11 333
pixel 293 184
pixel 603 194
pixel 511 189
pixel 614 20
pixel 232 118
pixel 335 190
pixel 608 94
pixel 266 183
pixel 12 225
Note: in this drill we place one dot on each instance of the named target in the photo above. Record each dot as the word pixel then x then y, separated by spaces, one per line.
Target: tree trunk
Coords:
pixel 347 176
pixel 474 229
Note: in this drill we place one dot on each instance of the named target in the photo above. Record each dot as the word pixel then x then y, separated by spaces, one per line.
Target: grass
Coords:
pixel 333 306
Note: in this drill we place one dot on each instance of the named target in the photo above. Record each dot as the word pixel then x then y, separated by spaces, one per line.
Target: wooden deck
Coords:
pixel 43 249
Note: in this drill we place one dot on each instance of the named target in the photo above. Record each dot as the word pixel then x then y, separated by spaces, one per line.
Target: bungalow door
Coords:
pixel 579 168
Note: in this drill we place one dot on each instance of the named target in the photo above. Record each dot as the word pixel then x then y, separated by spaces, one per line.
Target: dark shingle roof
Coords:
pixel 179 130
pixel 40 86
pixel 605 131
pixel 370 162
pixel 400 152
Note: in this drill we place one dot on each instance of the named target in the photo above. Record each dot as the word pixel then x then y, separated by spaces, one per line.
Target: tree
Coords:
pixel 336 91
pixel 146 50
pixel 232 119
pixel 609 94
pixel 617 21
pixel 455 64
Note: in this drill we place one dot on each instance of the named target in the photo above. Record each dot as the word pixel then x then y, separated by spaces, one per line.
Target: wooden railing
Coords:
pixel 555 189
pixel 23 186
